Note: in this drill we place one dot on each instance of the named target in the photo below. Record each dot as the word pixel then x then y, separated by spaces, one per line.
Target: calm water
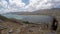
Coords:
pixel 14 16
pixel 30 18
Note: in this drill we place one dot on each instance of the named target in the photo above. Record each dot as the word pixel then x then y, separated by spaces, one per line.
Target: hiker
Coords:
pixel 54 24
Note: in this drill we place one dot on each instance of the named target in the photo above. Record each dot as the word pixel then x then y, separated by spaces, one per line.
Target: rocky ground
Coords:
pixel 21 28
pixel 14 26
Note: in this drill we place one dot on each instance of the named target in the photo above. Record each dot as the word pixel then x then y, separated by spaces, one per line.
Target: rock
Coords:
pixel 18 31
pixel 1 21
pixel 2 27
pixel 51 33
pixel 10 31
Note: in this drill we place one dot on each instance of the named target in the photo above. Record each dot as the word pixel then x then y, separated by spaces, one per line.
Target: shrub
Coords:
pixel 26 22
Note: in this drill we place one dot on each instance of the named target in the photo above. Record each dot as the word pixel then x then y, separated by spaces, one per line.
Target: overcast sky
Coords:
pixel 27 5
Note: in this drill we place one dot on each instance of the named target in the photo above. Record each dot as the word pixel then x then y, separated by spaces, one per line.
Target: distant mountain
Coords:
pixel 53 11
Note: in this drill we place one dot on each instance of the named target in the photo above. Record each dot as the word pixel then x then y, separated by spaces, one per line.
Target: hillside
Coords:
pixel 53 11
pixel 18 27
pixel 14 26
pixel 2 18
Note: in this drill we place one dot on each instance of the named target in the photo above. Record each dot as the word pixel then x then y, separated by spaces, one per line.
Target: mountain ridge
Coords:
pixel 52 11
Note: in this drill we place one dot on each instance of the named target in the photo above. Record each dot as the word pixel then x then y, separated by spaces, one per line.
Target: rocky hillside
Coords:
pixel 13 26
pixel 53 11
pixel 2 18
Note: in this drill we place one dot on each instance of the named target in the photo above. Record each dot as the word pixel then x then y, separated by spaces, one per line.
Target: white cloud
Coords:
pixel 3 3
pixel 18 5
pixel 40 4
pixel 14 5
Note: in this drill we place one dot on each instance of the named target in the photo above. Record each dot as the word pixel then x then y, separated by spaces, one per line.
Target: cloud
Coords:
pixel 43 4
pixel 18 5
pixel 3 3
pixel 11 5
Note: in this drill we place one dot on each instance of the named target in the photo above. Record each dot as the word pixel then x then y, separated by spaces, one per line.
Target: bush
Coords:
pixel 26 22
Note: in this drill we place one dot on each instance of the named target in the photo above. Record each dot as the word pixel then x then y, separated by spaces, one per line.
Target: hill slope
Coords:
pixel 2 18
pixel 53 11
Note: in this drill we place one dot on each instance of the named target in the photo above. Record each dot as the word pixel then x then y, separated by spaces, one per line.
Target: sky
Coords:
pixel 27 5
